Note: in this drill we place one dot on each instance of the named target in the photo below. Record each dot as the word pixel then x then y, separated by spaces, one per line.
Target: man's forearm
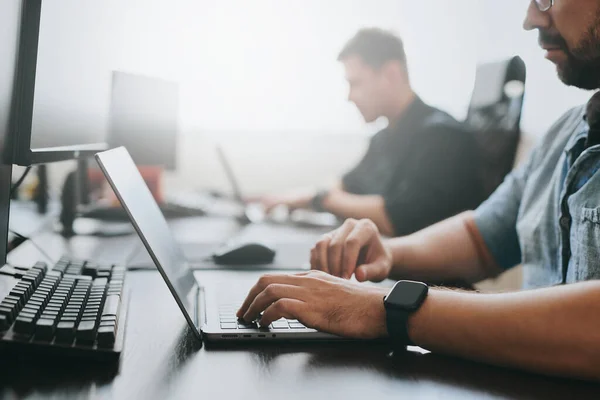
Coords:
pixel 348 205
pixel 553 331
pixel 451 250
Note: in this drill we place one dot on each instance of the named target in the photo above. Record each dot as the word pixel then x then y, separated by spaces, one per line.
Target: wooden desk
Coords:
pixel 163 360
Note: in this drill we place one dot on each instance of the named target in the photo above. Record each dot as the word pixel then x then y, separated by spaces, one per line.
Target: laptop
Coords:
pixel 255 212
pixel 209 310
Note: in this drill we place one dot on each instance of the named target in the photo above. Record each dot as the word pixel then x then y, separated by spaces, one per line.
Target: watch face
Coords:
pixel 407 294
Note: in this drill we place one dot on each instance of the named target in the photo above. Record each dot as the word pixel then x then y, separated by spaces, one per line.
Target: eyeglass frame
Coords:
pixel 544 9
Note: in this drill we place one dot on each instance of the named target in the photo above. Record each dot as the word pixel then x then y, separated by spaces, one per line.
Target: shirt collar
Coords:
pixel 412 115
pixel 580 133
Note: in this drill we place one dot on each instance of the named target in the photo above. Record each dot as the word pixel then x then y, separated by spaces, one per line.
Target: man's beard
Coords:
pixel 582 68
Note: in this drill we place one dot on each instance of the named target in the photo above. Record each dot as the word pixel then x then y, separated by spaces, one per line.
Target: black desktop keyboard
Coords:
pixel 75 308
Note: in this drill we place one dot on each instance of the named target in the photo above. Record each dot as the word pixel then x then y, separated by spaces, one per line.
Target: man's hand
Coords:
pixel 354 248
pixel 319 301
pixel 293 199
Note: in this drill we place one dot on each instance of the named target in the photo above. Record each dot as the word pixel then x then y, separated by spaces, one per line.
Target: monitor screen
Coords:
pixel 38 136
pixel 144 118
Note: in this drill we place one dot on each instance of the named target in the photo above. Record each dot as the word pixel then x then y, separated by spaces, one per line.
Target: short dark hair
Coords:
pixel 375 47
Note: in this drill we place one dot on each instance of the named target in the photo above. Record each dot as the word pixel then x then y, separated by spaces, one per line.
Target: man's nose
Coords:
pixel 536 19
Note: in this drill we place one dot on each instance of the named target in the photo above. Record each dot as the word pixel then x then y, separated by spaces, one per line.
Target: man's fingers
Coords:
pixel 313 258
pixel 363 233
pixel 271 294
pixel 284 308
pixel 267 280
pixel 321 253
pixel 374 272
pixel 336 247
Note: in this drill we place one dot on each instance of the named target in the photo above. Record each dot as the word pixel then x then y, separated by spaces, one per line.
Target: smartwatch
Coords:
pixel 404 299
pixel 317 201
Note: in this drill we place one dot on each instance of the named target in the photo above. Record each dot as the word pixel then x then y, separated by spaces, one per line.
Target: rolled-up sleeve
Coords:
pixel 496 219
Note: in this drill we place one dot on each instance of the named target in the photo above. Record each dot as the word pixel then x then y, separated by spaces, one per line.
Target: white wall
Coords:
pixel 261 75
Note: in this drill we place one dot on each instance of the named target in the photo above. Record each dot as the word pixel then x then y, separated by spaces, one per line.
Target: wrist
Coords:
pixel 399 250
pixel 422 323
pixel 380 323
pixel 318 200
pixel 402 302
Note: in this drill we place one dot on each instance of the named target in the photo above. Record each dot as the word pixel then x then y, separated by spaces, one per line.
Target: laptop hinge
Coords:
pixel 200 311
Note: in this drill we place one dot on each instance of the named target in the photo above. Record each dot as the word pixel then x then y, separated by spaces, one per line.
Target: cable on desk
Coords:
pixel 38 247
pixel 18 183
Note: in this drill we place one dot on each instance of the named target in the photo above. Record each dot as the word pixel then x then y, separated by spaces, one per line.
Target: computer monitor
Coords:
pixel 19 34
pixel 144 117
pixel 24 23
pixel 10 15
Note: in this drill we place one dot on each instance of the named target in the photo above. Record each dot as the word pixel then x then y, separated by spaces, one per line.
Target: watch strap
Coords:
pixel 317 200
pixel 397 326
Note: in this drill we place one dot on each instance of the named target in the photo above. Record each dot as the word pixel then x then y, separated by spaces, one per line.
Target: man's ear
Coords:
pixel 393 71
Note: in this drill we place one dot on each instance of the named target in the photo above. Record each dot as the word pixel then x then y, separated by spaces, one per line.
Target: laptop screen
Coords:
pixel 237 193
pixel 150 224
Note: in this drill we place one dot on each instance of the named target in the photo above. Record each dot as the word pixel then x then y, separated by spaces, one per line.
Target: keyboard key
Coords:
pixel 24 324
pixel 44 328
pixel 11 301
pixel 297 325
pixel 30 278
pixel 65 330
pixel 31 310
pixel 86 330
pixel 54 274
pixel 100 282
pixel 35 303
pixel 108 318
pixel 247 326
pixel 70 314
pixel 12 304
pixel 90 269
pixel 229 325
pixel 106 336
pixel 50 313
pixel 4 322
pixel 14 300
pixel 8 312
pixel 19 292
pixel 111 306
pixel 280 324
pixel 61 265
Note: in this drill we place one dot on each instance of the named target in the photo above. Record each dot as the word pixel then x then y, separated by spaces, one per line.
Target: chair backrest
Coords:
pixel 494 116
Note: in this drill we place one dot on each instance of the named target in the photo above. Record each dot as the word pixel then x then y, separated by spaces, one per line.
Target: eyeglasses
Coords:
pixel 544 5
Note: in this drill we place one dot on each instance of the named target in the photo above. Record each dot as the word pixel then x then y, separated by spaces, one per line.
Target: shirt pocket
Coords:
pixel 587 253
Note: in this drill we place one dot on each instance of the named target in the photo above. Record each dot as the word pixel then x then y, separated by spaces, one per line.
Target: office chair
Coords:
pixel 494 116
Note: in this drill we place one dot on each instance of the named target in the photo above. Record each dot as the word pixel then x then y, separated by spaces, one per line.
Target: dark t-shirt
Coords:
pixel 425 166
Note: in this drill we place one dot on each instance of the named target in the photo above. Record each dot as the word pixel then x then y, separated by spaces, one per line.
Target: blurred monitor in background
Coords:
pixel 420 169
pixel 143 117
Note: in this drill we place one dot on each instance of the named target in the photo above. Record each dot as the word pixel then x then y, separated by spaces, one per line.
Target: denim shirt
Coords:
pixel 546 214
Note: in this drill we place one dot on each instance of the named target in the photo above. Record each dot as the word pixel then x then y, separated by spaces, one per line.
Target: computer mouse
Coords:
pixel 244 253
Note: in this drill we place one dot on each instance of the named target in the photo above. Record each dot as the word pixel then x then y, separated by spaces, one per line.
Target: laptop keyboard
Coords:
pixel 74 304
pixel 228 320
